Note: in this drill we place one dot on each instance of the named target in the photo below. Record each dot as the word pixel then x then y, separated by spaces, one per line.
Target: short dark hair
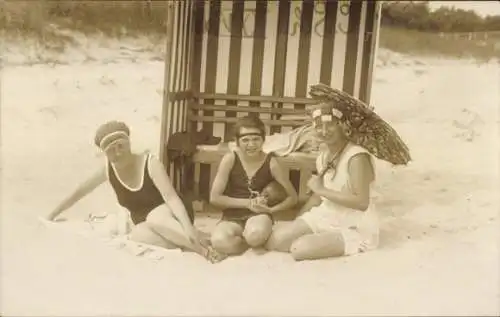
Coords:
pixel 249 122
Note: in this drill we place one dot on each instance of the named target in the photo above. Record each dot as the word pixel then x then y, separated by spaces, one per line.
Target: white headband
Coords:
pixel 316 113
pixel 327 117
pixel 111 135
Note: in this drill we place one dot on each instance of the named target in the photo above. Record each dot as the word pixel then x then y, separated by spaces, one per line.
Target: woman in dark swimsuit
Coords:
pixel 143 188
pixel 240 180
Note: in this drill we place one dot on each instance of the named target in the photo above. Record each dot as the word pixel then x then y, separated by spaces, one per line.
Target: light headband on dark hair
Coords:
pixel 111 138
pixel 325 113
pixel 249 134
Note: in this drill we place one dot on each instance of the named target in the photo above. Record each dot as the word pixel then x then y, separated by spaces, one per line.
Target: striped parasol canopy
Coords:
pixel 368 129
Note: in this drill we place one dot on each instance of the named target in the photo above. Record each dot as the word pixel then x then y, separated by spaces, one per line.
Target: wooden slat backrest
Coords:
pixel 266 107
pixel 272 99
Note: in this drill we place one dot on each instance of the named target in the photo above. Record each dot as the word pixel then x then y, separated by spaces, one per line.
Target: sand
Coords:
pixel 440 243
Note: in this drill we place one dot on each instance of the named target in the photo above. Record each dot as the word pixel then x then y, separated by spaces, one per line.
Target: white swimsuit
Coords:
pixel 359 229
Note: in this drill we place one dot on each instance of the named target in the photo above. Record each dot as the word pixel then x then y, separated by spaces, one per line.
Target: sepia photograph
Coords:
pixel 249 158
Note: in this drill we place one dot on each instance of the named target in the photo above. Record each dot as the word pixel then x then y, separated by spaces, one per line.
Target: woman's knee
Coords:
pixel 257 230
pixel 220 239
pixel 278 239
pixel 226 240
pixel 256 236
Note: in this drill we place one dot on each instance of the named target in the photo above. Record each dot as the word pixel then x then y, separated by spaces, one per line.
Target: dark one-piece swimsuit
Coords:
pixel 239 186
pixel 141 201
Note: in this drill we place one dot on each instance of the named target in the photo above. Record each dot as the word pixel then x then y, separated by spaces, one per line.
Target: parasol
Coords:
pixel 368 129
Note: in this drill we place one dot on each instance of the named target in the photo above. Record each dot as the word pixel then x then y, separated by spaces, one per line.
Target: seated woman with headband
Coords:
pixel 249 186
pixel 340 217
pixel 143 188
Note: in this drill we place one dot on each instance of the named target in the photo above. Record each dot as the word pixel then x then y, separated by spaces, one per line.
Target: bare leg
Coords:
pixel 142 233
pixel 318 246
pixel 227 238
pixel 284 234
pixel 257 230
pixel 163 222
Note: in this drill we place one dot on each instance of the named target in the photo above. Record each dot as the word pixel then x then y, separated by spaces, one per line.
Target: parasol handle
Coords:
pixel 321 174
pixel 329 165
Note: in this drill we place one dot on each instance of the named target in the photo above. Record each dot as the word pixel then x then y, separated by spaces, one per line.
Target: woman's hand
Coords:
pixel 48 217
pixel 259 205
pixel 53 215
pixel 259 200
pixel 315 183
pixel 45 222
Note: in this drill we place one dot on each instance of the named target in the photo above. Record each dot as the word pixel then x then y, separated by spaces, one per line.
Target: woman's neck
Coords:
pixel 253 158
pixel 127 163
pixel 335 148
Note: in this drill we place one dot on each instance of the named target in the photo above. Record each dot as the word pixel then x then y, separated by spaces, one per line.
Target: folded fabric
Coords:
pixel 100 232
pixel 301 139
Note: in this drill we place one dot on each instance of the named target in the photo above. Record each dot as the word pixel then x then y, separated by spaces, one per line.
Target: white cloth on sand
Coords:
pixel 102 229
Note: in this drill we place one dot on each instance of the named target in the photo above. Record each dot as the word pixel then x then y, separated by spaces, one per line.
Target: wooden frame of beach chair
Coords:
pixel 226 59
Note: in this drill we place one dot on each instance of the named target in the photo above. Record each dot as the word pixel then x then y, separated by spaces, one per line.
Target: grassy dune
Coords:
pixel 42 20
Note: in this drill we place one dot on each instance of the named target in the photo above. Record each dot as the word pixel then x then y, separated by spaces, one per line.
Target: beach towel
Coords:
pixel 101 230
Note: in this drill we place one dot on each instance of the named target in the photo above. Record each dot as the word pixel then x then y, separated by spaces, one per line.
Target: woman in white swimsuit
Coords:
pixel 143 188
pixel 339 218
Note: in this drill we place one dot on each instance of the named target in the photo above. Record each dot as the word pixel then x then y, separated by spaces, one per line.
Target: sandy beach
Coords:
pixel 440 241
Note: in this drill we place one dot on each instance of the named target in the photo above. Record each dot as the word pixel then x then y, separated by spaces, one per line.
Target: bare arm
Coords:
pixel 217 197
pixel 81 191
pixel 281 176
pixel 361 175
pixel 162 181
pixel 313 201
